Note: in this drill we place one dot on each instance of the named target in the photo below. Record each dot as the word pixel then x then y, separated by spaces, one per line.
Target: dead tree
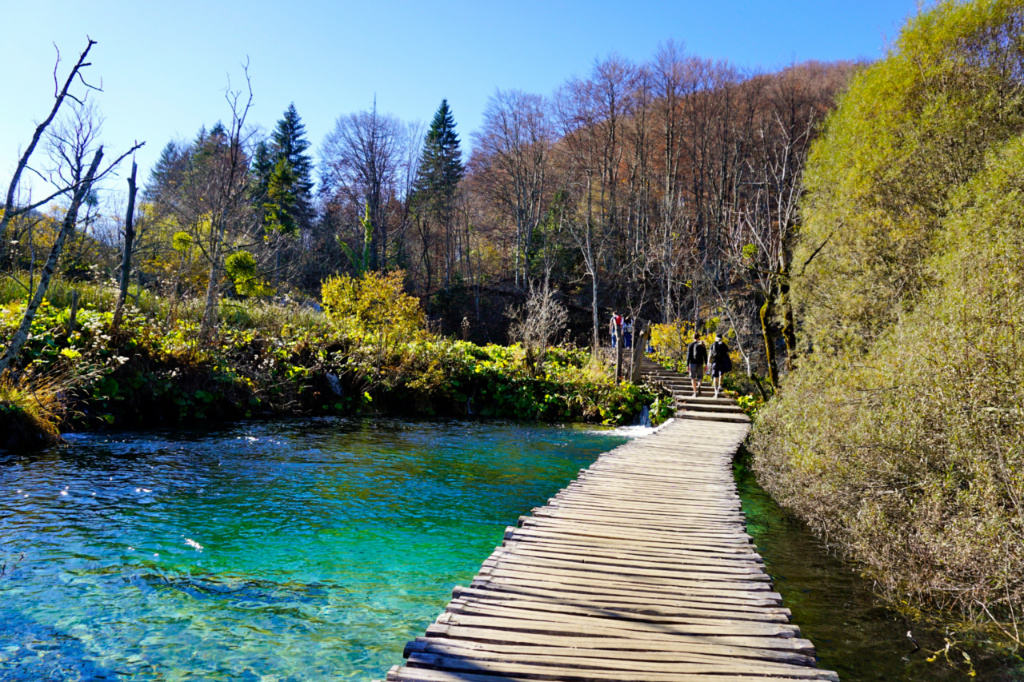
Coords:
pixel 126 256
pixel 60 95
pixel 67 227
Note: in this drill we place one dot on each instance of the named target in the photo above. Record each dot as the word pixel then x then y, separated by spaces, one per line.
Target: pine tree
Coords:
pixel 288 142
pixel 437 181
pixel 167 166
pixel 441 168
pixel 262 167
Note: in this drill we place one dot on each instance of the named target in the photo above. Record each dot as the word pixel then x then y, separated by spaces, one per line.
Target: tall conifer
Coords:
pixel 437 181
pixel 288 142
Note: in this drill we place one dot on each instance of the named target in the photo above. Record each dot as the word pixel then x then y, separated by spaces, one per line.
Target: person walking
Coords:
pixel 696 359
pixel 627 333
pixel 613 328
pixel 720 362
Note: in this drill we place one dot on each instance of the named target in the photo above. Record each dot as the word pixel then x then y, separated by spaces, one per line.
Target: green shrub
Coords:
pixel 901 437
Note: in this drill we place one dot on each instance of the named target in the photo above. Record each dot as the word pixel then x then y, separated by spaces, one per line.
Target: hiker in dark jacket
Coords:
pixel 720 363
pixel 696 359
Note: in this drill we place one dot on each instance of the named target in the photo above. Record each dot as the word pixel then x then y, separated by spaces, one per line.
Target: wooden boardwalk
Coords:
pixel 639 570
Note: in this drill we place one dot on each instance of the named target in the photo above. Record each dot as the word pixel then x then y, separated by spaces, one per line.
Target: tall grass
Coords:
pixel 101 296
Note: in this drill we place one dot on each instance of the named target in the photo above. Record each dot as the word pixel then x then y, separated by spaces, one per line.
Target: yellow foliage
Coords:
pixel 374 303
pixel 670 340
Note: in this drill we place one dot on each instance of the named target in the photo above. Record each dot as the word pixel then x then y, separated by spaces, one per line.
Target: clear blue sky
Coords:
pixel 164 65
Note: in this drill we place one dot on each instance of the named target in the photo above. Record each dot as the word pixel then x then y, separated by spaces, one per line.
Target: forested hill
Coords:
pixel 900 435
pixel 654 189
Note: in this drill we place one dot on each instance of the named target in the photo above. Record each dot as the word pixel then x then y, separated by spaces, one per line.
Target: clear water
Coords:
pixel 837 610
pixel 304 550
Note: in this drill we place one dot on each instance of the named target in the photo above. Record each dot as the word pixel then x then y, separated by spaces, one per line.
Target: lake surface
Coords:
pixel 315 549
pixel 303 550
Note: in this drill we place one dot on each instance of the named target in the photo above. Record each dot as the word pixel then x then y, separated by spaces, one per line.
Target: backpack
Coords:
pixel 691 354
pixel 720 356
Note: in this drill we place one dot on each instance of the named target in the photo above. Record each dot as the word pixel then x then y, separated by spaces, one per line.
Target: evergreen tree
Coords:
pixel 437 181
pixel 262 167
pixel 441 168
pixel 288 142
pixel 167 166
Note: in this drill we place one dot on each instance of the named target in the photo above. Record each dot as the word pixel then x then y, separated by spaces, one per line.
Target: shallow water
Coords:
pixel 314 549
pixel 837 610
pixel 302 550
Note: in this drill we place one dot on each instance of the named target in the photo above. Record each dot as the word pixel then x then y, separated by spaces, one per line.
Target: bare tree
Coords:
pixel 67 227
pixel 70 143
pixel 537 324
pixel 510 165
pixel 365 166
pixel 61 94
pixel 590 115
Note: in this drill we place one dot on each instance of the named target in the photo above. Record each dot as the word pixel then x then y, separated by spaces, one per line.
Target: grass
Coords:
pixel 30 411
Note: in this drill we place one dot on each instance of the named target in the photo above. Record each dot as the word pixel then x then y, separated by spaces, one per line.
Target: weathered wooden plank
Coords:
pixel 604 657
pixel 572 640
pixel 703 581
pixel 407 674
pixel 555 671
pixel 598 587
pixel 623 540
pixel 689 570
pixel 631 662
pixel 634 605
pixel 624 620
pixel 643 631
pixel 546 551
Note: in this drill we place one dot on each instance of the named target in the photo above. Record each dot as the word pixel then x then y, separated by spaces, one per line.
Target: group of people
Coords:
pixel 716 361
pixel 621 330
pixel 699 358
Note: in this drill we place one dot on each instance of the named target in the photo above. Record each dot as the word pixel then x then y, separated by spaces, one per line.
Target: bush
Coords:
pixel 374 303
pixel 901 438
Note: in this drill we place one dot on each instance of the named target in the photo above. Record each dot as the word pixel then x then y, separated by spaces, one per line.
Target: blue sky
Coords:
pixel 164 65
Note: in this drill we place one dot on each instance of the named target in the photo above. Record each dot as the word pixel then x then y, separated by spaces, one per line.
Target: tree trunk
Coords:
pixel 639 346
pixel 73 315
pixel 210 308
pixel 126 257
pixel 66 228
pixel 788 328
pixel 767 313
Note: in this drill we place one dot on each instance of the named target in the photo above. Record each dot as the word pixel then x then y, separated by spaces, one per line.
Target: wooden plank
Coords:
pixel 598 587
pixel 623 559
pixel 397 674
pixel 553 671
pixel 641 631
pixel 698 584
pixel 634 605
pixel 563 613
pixel 605 657
pixel 573 640
pixel 691 570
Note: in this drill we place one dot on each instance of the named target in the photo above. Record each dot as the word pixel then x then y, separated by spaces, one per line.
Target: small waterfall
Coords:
pixel 645 418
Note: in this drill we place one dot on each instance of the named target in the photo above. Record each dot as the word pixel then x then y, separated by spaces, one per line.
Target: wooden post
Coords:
pixel 73 315
pixel 618 355
pixel 639 348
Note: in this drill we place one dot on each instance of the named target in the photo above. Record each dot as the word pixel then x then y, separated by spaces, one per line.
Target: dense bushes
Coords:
pixel 370 354
pixel 901 436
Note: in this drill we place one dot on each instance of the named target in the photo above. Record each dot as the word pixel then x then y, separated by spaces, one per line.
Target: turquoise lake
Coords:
pixel 300 550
